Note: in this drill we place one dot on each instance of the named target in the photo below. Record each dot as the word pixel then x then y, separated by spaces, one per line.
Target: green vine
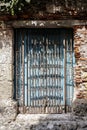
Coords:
pixel 13 6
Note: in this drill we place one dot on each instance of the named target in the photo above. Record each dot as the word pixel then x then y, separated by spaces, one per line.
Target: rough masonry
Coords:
pixel 80 47
pixel 7 105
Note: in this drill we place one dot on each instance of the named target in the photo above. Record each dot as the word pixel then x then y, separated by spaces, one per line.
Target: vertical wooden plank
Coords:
pixel 55 78
pixel 57 68
pixel 64 44
pixel 23 73
pixel 29 44
pixel 25 69
pixel 18 67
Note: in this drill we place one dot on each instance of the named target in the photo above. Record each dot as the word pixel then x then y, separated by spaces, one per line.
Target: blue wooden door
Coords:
pixel 44 62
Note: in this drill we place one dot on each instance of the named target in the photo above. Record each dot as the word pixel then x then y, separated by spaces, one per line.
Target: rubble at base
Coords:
pixel 45 122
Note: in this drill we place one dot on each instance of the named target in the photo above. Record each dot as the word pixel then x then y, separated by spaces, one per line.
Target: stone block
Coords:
pixel 6 55
pixel 8 109
pixel 85 85
pixel 83 59
pixel 84 77
pixel 80 107
pixel 78 81
pixel 77 52
pixel 84 68
pixel 6 89
pixel 6 72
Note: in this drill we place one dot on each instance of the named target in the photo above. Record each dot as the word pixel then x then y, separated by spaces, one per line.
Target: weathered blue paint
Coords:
pixel 44 62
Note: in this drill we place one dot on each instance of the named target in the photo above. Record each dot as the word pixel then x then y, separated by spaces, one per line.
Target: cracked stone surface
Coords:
pixel 45 122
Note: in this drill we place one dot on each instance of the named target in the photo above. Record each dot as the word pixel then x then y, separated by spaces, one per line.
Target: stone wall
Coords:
pixel 80 48
pixel 6 76
pixel 8 107
pixel 80 42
